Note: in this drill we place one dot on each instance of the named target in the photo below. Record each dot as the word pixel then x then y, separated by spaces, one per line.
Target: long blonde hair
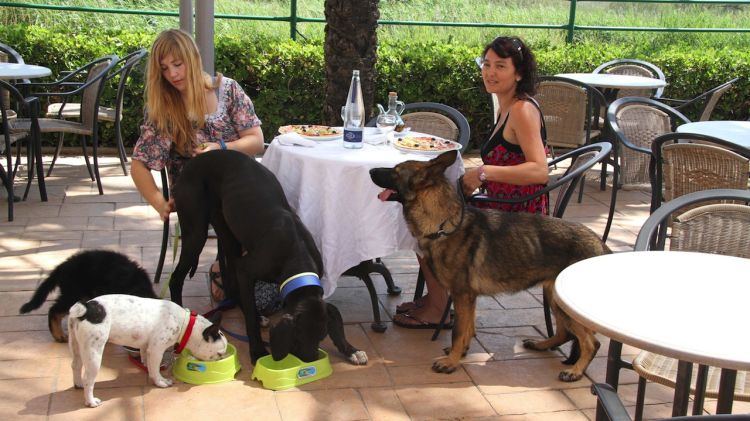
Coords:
pixel 173 113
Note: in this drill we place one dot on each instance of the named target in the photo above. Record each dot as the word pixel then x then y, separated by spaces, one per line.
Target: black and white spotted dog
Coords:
pixel 151 325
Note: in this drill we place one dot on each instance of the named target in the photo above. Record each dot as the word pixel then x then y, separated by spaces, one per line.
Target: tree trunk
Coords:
pixel 351 43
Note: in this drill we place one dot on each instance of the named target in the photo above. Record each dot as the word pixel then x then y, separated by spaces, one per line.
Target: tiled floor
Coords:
pixel 498 380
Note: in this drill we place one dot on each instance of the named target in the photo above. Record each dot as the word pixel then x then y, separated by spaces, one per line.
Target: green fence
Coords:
pixel 570 27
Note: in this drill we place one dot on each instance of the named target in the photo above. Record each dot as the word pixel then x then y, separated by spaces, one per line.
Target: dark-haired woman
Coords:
pixel 514 157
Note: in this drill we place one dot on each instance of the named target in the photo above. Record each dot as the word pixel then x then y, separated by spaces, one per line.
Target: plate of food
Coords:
pixel 428 145
pixel 313 131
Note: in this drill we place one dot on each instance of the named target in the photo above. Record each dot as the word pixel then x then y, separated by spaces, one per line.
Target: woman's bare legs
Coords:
pixel 432 304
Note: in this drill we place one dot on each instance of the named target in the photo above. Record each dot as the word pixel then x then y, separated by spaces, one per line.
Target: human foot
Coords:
pixel 215 283
pixel 411 305
pixel 420 319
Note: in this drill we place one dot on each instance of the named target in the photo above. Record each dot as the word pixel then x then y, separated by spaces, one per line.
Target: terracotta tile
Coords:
pixel 190 402
pixel 116 371
pixel 506 343
pixel 549 416
pixel 354 305
pixel 123 403
pixel 530 402
pixel 495 377
pixel 444 401
pixel 26 399
pixel 30 369
pixel 30 345
pixel 383 404
pixel 323 405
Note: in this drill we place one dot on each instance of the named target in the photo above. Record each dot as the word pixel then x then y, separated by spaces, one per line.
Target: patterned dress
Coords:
pixel 500 152
pixel 234 113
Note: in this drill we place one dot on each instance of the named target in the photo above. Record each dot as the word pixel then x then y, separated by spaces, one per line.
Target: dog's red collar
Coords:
pixel 186 335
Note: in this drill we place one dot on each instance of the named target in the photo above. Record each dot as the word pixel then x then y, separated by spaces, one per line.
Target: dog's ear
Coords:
pixel 443 161
pixel 216 318
pixel 282 337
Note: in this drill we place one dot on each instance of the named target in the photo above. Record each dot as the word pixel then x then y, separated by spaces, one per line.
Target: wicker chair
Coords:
pixel 633 68
pixel 720 228
pixel 567 106
pixel 704 103
pixel 90 92
pixel 72 110
pixel 614 409
pixel 9 135
pixel 635 122
pixel 698 163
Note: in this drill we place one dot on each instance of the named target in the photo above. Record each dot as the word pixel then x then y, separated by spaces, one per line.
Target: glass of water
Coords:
pixel 386 123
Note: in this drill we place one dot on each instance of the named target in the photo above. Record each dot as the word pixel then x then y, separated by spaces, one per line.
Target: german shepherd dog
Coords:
pixel 476 252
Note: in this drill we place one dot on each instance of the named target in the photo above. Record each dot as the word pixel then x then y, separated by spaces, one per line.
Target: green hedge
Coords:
pixel 285 79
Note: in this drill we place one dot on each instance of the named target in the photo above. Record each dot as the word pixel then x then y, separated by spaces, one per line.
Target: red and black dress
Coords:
pixel 500 152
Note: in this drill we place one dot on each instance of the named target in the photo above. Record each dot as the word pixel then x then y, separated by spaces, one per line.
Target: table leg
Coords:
pixel 726 391
pixel 612 378
pixel 682 388
pixel 363 271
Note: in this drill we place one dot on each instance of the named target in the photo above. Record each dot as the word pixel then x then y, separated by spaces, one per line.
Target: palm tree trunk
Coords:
pixel 351 42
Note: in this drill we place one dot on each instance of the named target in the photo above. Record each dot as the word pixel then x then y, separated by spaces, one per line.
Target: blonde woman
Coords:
pixel 188 112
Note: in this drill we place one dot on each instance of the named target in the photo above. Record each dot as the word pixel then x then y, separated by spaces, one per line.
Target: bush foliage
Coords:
pixel 285 79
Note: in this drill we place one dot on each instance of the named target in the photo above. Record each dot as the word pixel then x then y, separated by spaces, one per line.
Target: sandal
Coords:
pixel 410 321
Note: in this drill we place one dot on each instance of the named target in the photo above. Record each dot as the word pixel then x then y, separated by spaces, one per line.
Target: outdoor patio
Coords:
pixel 498 380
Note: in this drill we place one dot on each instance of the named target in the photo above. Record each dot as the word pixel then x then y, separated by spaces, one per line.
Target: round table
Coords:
pixel 329 187
pixel 22 71
pixel 615 81
pixel 737 132
pixel 685 305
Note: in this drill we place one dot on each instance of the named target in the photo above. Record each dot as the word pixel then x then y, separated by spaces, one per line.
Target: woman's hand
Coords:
pixel 165 209
pixel 471 181
pixel 205 147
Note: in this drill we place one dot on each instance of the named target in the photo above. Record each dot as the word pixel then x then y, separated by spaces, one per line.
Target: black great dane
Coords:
pixel 261 238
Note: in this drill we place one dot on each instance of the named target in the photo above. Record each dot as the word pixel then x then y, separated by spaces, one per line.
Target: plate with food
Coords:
pixel 428 145
pixel 313 131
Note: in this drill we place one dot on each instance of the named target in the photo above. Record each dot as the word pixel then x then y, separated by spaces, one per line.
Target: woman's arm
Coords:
pixel 145 184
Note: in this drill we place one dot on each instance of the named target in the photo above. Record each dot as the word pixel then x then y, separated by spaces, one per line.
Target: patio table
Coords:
pixel 737 132
pixel 22 71
pixel 330 188
pixel 693 312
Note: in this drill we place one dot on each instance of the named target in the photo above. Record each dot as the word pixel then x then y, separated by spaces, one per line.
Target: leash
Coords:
pixel 227 304
pixel 175 242
pixel 441 231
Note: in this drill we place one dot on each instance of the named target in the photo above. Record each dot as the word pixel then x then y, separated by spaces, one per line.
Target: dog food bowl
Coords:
pixel 291 371
pixel 191 370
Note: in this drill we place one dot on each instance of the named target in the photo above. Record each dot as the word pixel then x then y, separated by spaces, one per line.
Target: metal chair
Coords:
pixel 634 68
pixel 30 105
pixel 579 161
pixel 635 122
pixel 607 397
pixel 711 227
pixel 72 110
pixel 90 92
pixel 704 103
pixel 698 162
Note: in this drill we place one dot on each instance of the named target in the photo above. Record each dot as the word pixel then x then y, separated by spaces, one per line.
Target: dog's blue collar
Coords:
pixel 298 281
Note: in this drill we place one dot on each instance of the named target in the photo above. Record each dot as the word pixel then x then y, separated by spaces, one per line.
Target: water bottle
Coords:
pixel 354 114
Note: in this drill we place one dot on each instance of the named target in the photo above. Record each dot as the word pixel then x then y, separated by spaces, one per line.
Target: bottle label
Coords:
pixel 353 134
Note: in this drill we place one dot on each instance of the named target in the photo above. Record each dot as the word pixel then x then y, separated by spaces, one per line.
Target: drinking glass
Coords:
pixel 386 123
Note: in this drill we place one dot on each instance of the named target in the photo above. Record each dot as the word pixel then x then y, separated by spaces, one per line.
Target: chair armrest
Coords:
pixel 607 397
pixel 670 101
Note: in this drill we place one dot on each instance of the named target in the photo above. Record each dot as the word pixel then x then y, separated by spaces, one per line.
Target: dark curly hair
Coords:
pixel 523 60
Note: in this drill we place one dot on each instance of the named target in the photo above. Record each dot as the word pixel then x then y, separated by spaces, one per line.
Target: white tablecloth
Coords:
pixel 330 188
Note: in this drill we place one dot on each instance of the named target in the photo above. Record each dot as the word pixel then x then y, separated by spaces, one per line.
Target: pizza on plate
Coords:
pixel 426 144
pixel 312 130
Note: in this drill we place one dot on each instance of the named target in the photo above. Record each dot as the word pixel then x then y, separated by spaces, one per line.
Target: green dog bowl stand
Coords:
pixel 291 371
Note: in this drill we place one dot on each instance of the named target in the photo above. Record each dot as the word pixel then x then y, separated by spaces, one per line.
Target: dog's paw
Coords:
pixel 531 344
pixel 444 365
pixel 358 358
pixel 162 382
pixel 569 376
pixel 93 403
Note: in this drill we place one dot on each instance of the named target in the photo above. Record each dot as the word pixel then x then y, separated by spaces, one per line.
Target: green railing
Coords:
pixel 294 19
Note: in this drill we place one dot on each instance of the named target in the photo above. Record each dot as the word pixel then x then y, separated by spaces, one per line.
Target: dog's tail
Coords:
pixel 77 310
pixel 41 293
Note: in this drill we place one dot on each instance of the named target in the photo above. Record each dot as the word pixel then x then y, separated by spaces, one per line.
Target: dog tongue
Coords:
pixel 385 194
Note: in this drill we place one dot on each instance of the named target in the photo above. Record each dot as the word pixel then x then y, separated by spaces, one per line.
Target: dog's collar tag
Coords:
pixel 186 334
pixel 298 281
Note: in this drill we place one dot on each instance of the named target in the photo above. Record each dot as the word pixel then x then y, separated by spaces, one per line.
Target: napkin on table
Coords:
pixel 293 138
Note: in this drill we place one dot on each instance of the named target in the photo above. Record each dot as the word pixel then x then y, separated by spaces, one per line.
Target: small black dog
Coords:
pixel 246 205
pixel 85 275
